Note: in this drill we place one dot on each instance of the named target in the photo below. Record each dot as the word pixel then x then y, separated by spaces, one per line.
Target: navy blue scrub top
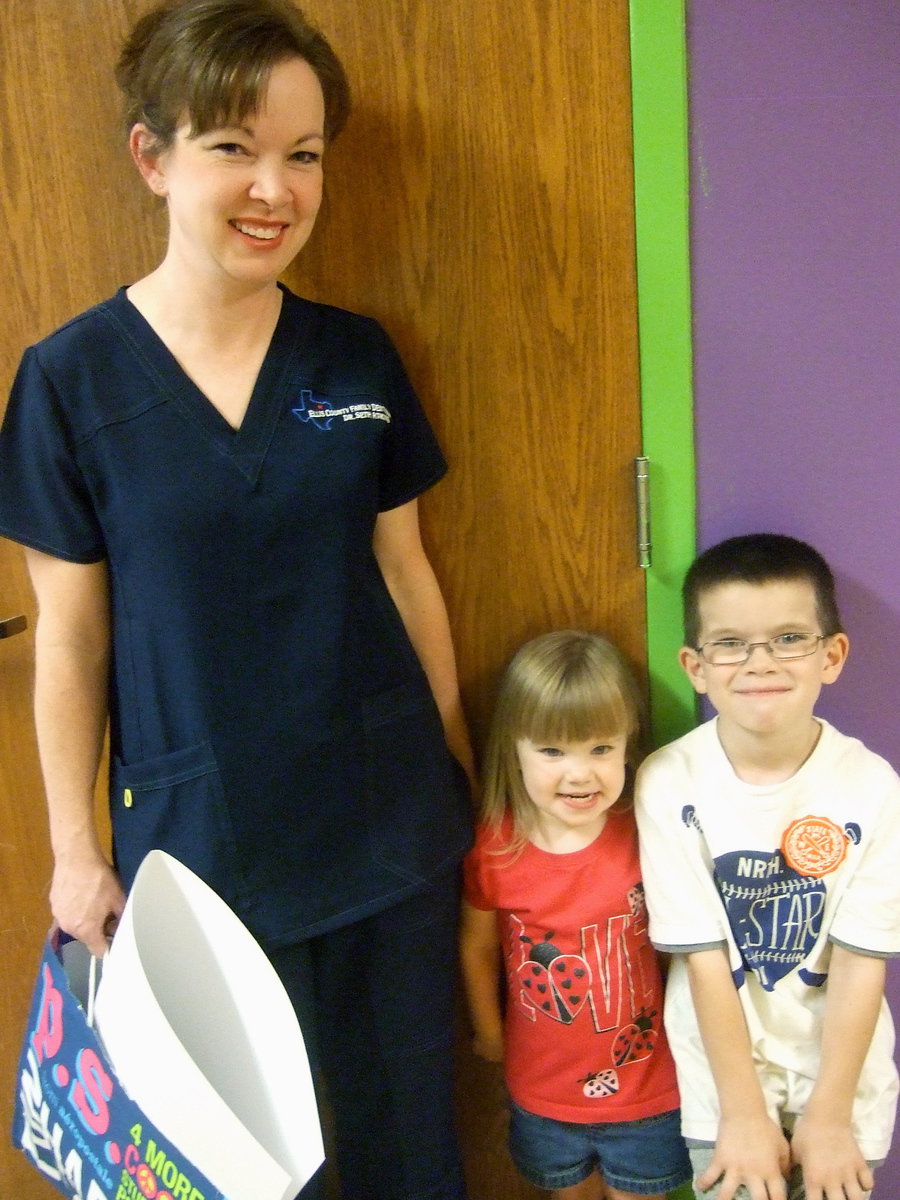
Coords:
pixel 271 725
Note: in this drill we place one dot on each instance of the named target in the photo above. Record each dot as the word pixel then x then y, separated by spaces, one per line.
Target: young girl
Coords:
pixel 553 887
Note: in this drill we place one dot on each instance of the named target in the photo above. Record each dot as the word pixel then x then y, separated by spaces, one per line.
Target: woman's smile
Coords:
pixel 259 231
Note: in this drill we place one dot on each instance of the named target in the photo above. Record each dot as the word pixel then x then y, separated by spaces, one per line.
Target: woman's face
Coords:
pixel 243 198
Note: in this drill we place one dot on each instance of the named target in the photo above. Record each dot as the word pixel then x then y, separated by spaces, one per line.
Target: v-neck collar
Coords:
pixel 246 446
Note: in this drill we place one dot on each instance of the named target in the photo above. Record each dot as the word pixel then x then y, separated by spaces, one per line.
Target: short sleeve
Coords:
pixel 867 917
pixel 45 502
pixel 412 460
pixel 479 871
pixel 684 908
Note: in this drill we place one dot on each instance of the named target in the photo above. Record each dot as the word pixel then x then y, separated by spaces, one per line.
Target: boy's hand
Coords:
pixel 751 1151
pixel 831 1161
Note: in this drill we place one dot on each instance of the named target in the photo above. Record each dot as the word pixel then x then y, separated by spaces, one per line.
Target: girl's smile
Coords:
pixel 572 786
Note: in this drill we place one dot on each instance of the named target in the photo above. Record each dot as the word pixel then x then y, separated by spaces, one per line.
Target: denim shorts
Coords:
pixel 646 1156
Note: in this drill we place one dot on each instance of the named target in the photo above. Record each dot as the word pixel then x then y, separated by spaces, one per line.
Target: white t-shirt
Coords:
pixel 777 873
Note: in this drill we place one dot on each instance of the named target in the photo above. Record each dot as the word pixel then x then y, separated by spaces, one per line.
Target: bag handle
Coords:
pixel 94 972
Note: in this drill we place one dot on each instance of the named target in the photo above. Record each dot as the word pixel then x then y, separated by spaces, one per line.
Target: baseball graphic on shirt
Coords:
pixel 775 912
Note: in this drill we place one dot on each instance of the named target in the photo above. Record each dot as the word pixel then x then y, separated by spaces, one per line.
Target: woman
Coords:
pixel 216 485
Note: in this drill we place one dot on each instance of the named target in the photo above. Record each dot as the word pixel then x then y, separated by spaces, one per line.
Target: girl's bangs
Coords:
pixel 577 711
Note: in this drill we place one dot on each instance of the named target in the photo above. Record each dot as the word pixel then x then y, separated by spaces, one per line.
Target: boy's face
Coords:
pixel 765 695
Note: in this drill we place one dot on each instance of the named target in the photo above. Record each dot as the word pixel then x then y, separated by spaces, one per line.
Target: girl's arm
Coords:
pixel 480 954
pixel 72 640
pixel 823 1143
pixel 750 1147
pixel 414 589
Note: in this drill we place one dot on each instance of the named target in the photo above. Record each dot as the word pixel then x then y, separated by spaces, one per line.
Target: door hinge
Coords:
pixel 642 494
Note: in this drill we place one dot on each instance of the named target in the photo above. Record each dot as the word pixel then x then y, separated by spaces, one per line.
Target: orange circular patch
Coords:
pixel 814 846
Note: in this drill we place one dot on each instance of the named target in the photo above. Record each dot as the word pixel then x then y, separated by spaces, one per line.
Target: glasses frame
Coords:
pixel 751 646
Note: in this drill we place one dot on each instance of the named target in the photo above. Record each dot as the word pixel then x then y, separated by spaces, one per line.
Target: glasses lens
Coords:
pixel 731 651
pixel 725 652
pixel 794 645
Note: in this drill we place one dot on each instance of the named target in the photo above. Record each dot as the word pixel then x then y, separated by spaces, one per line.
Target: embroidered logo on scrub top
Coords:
pixel 321 413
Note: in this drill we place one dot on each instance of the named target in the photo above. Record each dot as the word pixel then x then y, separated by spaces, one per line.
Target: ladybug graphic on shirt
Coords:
pixel 556 983
pixel 632 1043
pixel 600 1084
pixel 635 1041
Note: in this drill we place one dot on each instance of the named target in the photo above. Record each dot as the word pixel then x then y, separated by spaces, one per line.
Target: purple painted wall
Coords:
pixel 795 165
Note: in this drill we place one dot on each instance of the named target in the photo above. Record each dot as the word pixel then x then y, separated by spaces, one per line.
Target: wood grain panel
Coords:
pixel 76 226
pixel 480 205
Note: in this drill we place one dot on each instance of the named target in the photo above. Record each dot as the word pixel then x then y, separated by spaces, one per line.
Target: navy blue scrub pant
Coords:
pixel 375 1000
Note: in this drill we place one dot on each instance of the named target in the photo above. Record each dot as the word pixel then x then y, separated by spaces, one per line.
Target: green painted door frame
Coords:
pixel 659 99
pixel 660 116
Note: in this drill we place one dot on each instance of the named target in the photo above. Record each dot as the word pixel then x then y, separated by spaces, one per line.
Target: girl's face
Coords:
pixel 572 786
pixel 243 198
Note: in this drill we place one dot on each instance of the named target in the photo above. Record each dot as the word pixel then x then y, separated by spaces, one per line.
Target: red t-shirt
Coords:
pixel 584 1033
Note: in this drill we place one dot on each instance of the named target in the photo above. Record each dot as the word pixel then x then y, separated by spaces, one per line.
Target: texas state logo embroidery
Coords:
pixel 321 413
pixel 316 412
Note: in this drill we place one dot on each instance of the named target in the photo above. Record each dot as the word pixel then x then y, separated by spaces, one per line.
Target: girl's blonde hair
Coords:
pixel 566 686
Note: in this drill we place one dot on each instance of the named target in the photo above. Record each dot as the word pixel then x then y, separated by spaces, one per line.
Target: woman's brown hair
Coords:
pixel 207 63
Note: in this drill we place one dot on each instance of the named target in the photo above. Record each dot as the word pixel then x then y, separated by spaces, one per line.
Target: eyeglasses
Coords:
pixel 730 652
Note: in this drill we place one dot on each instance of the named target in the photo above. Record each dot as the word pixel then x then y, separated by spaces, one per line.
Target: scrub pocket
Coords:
pixel 175 803
pixel 418 809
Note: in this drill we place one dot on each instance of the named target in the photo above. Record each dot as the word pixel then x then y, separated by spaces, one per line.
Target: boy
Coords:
pixel 771 861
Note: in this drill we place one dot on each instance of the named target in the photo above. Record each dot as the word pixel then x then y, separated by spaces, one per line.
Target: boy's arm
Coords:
pixel 480 954
pixel 750 1147
pixel 823 1143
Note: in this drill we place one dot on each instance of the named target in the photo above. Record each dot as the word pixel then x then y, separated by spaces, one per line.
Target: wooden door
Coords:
pixel 480 205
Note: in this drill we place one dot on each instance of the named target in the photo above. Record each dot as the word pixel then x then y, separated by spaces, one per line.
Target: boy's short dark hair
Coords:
pixel 759 558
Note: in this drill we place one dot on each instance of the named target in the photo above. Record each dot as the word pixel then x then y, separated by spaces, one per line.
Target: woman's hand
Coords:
pixel 87 900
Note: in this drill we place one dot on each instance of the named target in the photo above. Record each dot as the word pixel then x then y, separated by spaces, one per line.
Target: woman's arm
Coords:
pixel 414 589
pixel 480 954
pixel 72 648
pixel 750 1147
pixel 823 1143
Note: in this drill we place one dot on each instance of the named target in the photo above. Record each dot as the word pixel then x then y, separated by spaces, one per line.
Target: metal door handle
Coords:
pixel 13 625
